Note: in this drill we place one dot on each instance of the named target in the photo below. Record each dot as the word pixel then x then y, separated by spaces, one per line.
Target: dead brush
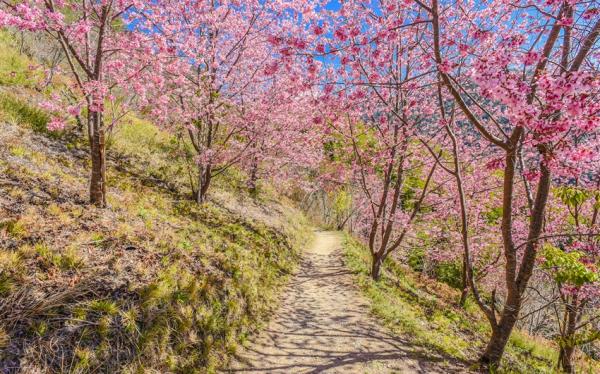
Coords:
pixel 75 348
pixel 70 345
pixel 25 304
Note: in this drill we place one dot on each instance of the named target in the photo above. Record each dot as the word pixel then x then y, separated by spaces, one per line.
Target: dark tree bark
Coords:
pixel 516 282
pixel 377 262
pixel 253 178
pixel 566 359
pixel 98 156
pixel 567 344
pixel 204 179
pixel 464 293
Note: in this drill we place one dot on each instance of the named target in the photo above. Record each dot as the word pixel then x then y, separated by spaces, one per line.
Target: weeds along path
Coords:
pixel 324 325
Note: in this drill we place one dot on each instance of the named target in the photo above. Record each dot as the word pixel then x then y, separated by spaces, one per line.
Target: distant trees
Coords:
pixel 373 116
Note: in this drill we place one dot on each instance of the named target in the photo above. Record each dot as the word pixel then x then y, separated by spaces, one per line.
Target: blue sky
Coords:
pixel 333 5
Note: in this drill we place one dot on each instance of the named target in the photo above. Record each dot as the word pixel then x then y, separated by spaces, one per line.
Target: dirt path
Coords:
pixel 324 325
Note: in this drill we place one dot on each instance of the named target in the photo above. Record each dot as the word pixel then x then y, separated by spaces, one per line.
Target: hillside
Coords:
pixel 155 281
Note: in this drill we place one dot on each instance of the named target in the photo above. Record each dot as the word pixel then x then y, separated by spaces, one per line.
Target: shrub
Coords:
pixel 416 259
pixel 449 272
pixel 23 113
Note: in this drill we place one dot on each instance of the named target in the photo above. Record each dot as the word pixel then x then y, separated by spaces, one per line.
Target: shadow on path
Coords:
pixel 324 325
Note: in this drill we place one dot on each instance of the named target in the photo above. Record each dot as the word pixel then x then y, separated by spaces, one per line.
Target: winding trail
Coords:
pixel 324 325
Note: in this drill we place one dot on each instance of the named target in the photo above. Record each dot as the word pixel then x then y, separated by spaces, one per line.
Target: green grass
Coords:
pixel 104 306
pixel 166 285
pixel 206 279
pixel 12 268
pixel 13 109
pixel 15 228
pixel 15 66
pixel 200 279
pixel 408 310
pixel 425 311
pixel 69 260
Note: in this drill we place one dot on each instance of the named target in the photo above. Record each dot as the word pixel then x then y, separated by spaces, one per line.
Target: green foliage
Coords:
pixel 416 259
pixel 567 266
pixel 449 272
pixel 493 215
pixel 572 196
pixel 332 149
pixel 342 201
pixel 23 113
pixel 414 183
pixel 337 147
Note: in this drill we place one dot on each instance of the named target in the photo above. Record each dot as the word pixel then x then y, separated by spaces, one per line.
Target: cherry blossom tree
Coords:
pixel 222 64
pixel 529 90
pixel 105 60
pixel 287 145
pixel 458 153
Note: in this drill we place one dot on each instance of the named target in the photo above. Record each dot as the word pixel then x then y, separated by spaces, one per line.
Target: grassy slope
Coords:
pixel 425 311
pixel 155 283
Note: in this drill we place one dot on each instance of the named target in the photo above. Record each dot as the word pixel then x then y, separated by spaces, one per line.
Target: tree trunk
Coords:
pixel 565 359
pixel 502 329
pixel 342 224
pixel 98 155
pixel 501 333
pixel 252 181
pixel 376 266
pixel 204 178
pixel 465 284
pixel 567 345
